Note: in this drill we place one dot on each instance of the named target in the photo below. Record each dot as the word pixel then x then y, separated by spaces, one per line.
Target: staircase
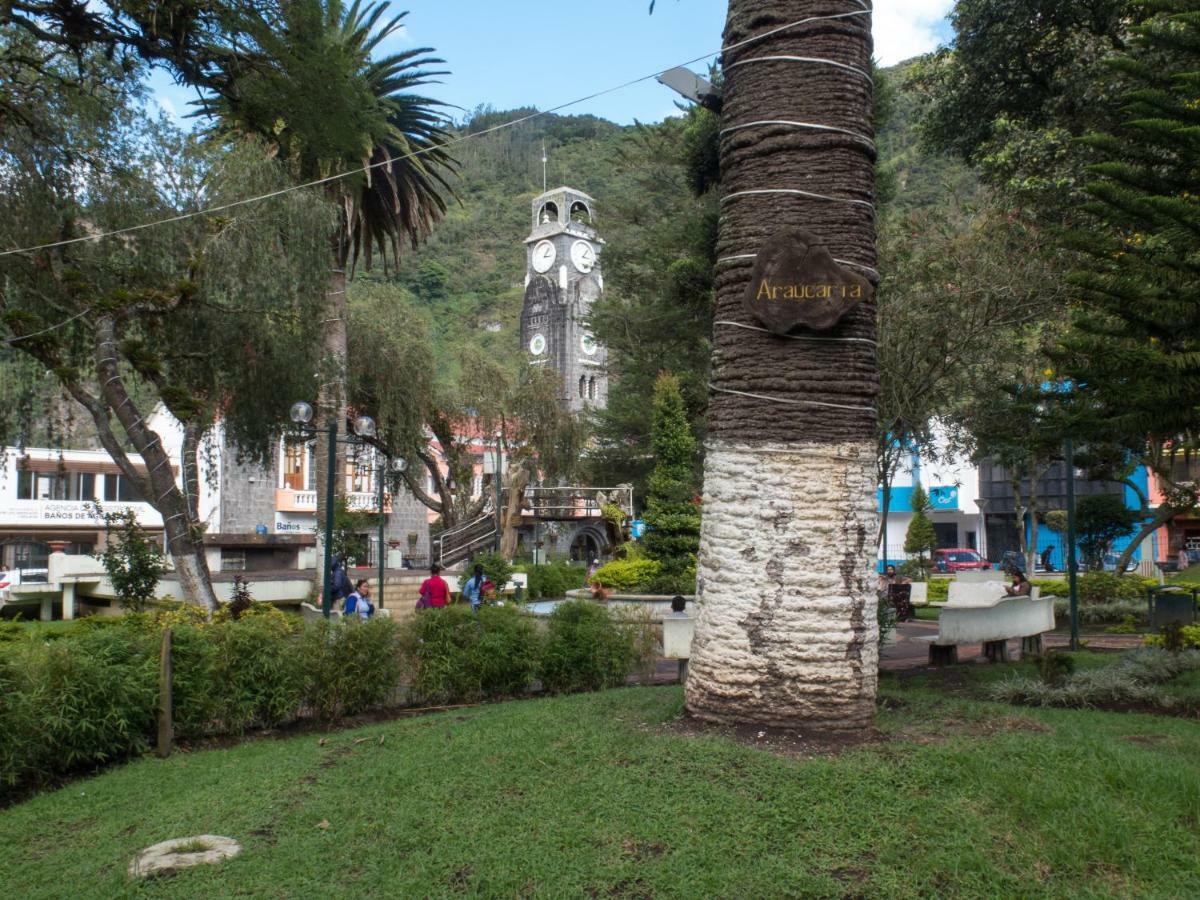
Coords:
pixel 458 544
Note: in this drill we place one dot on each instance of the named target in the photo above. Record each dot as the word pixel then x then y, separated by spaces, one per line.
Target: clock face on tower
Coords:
pixel 537 345
pixel 543 256
pixel 583 255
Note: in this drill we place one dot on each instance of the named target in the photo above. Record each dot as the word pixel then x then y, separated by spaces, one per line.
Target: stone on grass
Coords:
pixel 172 856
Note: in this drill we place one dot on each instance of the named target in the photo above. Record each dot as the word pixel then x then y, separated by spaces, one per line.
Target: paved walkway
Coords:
pixel 905 650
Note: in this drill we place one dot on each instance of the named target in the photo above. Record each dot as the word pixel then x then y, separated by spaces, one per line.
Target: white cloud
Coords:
pixel 168 107
pixel 907 28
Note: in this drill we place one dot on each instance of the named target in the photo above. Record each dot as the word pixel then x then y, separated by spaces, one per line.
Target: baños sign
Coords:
pixel 797 282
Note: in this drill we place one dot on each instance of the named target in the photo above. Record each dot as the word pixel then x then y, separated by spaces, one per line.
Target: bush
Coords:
pixel 938 590
pixel 585 650
pixel 236 675
pixel 1189 636
pixel 495 569
pixel 75 703
pixel 672 513
pixel 1133 680
pixel 453 655
pixel 349 666
pixel 1104 587
pixel 625 575
pixel 553 580
pixel 886 614
pixel 1101 613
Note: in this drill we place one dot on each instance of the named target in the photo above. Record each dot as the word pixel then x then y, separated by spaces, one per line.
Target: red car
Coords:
pixel 959 559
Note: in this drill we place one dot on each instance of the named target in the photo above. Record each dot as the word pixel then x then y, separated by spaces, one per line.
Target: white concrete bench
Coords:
pixel 981 613
pixel 678 631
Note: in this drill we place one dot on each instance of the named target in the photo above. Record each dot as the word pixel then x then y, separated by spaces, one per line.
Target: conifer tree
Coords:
pixel 920 537
pixel 1134 353
pixel 672 514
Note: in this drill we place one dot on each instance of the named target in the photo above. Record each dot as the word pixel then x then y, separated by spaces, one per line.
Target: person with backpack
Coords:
pixel 472 591
pixel 355 597
pixel 339 583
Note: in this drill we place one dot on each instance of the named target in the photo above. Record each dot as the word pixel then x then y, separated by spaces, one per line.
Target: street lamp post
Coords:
pixel 382 471
pixel 1072 582
pixel 396 465
pixel 496 479
pixel 364 427
pixel 330 484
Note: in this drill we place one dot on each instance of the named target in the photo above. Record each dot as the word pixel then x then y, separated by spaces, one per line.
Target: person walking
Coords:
pixel 472 591
pixel 434 590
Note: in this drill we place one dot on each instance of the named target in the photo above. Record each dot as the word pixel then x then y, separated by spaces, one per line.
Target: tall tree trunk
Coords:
pixel 331 396
pixel 158 484
pixel 516 481
pixel 1160 517
pixel 787 632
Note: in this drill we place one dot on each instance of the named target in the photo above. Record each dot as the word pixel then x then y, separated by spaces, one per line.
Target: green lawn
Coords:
pixel 593 795
pixel 1189 576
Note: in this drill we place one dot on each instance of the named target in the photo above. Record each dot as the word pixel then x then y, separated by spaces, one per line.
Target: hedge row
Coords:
pixel 91 697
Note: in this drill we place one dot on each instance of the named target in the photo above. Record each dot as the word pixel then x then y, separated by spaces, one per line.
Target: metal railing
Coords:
pixel 575 501
pixel 457 544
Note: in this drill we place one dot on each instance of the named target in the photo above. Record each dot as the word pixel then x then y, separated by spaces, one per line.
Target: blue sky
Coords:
pixel 541 53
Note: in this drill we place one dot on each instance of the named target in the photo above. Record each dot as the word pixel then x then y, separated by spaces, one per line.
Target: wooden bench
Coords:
pixel 981 613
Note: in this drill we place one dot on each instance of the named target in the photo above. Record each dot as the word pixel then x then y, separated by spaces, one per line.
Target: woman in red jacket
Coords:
pixel 434 590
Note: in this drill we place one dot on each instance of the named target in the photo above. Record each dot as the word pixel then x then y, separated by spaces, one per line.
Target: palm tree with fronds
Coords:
pixel 304 81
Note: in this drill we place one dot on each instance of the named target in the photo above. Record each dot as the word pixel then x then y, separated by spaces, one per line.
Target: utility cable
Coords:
pixel 864 11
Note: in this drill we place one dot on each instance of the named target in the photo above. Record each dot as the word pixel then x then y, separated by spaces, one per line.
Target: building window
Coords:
pixel 118 488
pixel 296 466
pixel 592 388
pixel 56 486
pixel 582 387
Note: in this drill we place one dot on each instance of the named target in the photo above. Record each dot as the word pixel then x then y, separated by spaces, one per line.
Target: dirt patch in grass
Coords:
pixel 802 743
pixel 1146 740
pixel 640 852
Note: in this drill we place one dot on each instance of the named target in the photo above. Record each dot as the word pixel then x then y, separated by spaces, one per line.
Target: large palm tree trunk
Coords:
pixel 331 398
pixel 787 632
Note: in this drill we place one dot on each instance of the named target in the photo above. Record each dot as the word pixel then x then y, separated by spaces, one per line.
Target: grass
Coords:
pixel 1189 577
pixel 592 795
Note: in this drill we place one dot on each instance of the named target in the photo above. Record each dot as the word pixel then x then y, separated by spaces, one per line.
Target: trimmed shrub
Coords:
pixel 553 580
pixel 585 649
pixel 349 666
pixel 495 569
pixel 453 655
pixel 76 703
pixel 1101 613
pixel 625 575
pixel 1104 587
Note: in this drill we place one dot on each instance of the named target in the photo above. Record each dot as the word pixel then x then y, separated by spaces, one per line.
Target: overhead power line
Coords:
pixel 865 11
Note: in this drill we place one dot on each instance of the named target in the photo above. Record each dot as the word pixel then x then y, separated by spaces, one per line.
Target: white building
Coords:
pixel 952 482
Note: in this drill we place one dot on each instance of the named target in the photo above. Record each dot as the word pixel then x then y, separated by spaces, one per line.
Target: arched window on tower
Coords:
pixel 592 388
pixel 548 214
pixel 580 213
pixel 582 387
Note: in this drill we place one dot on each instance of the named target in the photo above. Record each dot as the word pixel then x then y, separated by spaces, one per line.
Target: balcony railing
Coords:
pixel 306 501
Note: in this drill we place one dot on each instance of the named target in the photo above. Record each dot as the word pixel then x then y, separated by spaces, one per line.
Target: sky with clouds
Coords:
pixel 544 54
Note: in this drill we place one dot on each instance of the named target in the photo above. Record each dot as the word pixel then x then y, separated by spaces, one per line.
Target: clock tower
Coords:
pixel 562 281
